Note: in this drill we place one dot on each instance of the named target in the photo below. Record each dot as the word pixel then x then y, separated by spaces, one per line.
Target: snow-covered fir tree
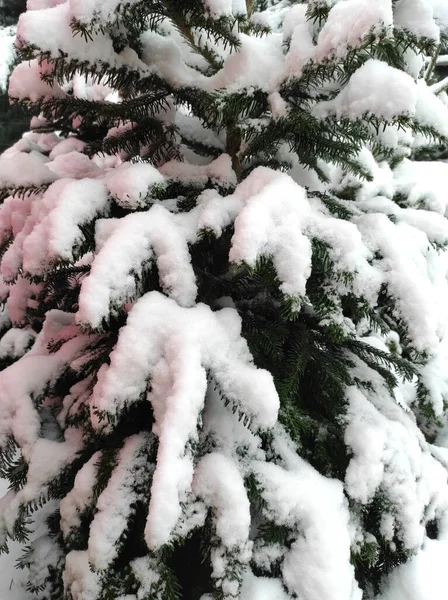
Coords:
pixel 225 288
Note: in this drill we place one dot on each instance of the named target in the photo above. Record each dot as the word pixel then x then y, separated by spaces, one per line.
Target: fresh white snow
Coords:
pixel 179 345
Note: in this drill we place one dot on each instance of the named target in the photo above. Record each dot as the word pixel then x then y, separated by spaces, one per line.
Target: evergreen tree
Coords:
pixel 233 279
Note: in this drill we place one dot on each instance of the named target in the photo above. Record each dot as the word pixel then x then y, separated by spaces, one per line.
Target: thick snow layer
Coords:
pixel 46 456
pixel 261 588
pixel 115 504
pixel 218 8
pixel 405 272
pixel 129 183
pixel 298 29
pixel 416 16
pixel 265 223
pixel 191 128
pixel 269 210
pixel 349 22
pixel 440 10
pixel 17 411
pixel 49 225
pixel 21 295
pixel 146 573
pixel 389 454
pixel 80 496
pixel 49 29
pixel 74 165
pixel 296 16
pixel 34 27
pixel 218 481
pixel 15 218
pixel 163 55
pixel 175 346
pixel 69 144
pixel 25 169
pixel 138 238
pixel 219 171
pixel 257 64
pixel 364 93
pixel 423 184
pixel 430 110
pixel 86 10
pixel 433 374
pixel 424 577
pixel 315 507
pixel 26 82
pixel 79 579
pixel 15 342
pixel 59 220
